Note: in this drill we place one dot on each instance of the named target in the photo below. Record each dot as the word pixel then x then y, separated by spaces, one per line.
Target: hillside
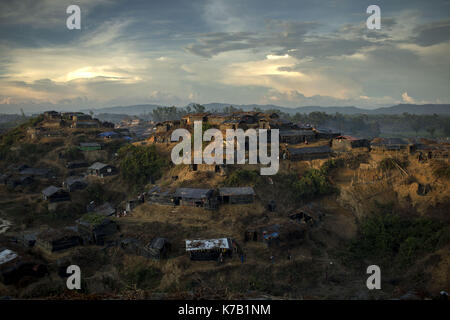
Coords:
pixel 332 218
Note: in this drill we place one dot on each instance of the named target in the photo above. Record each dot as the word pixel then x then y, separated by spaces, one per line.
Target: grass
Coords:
pixel 442 171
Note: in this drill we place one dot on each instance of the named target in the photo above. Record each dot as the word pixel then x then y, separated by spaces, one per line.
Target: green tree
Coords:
pixel 140 164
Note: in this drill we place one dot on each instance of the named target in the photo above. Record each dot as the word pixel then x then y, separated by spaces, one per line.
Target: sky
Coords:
pixel 287 53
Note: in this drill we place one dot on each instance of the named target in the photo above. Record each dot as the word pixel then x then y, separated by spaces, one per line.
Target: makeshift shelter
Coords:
pixel 14 267
pixel 296 136
pixel 109 135
pixel 96 229
pixel 21 181
pixel 52 240
pixel 195 197
pixel 309 153
pixel 347 143
pixel 323 133
pixel 159 196
pixel 74 183
pixel 36 172
pixel 236 195
pixel 105 210
pixel 76 164
pixel 101 169
pixel 7 255
pixel 158 248
pixel 389 144
pixel 271 234
pixel 307 215
pixel 55 194
pixel 210 249
pixel 89 146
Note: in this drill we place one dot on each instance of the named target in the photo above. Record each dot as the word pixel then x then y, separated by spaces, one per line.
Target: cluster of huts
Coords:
pixel 292 136
pixel 289 132
pixel 74 120
pixel 23 175
pixel 54 194
pixel 200 197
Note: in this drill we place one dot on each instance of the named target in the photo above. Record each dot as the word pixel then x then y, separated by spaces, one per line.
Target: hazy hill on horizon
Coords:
pixel 426 109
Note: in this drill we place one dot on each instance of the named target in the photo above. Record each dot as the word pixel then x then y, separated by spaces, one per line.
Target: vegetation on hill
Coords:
pixel 242 177
pixel 316 182
pixel 92 218
pixel 140 164
pixel 9 138
pixel 392 240
pixel 311 184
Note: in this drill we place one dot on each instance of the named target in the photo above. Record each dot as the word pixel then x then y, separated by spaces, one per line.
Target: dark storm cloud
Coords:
pixel 432 33
pixel 144 50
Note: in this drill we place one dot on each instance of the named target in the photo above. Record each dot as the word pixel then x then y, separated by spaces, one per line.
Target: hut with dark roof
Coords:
pixel 195 197
pixel 309 153
pixel 158 248
pixel 55 194
pixel 236 195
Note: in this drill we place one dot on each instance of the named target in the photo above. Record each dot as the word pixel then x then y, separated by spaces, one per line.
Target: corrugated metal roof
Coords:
pixel 71 180
pixel 35 171
pixel 105 209
pixel 194 245
pixel 50 190
pixel 98 166
pixel 7 255
pixel 193 193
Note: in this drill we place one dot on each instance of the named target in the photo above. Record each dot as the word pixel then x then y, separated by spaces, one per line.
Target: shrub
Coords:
pixel 139 164
pixel 95 192
pixel 144 277
pixel 313 183
pixel 332 164
pixel 242 177
pixel 395 240
pixel 73 153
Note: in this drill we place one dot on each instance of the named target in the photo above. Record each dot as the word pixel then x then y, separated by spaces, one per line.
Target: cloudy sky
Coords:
pixel 287 53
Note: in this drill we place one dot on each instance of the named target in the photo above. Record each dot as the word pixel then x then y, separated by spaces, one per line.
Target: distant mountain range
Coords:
pixel 425 109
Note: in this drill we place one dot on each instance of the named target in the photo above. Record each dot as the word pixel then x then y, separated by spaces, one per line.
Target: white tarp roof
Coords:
pixel 7 255
pixel 192 245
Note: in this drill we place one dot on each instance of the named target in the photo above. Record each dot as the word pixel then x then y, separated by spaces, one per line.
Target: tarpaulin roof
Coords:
pixel 107 134
pixel 97 166
pixel 193 245
pixel 50 190
pixel 7 255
